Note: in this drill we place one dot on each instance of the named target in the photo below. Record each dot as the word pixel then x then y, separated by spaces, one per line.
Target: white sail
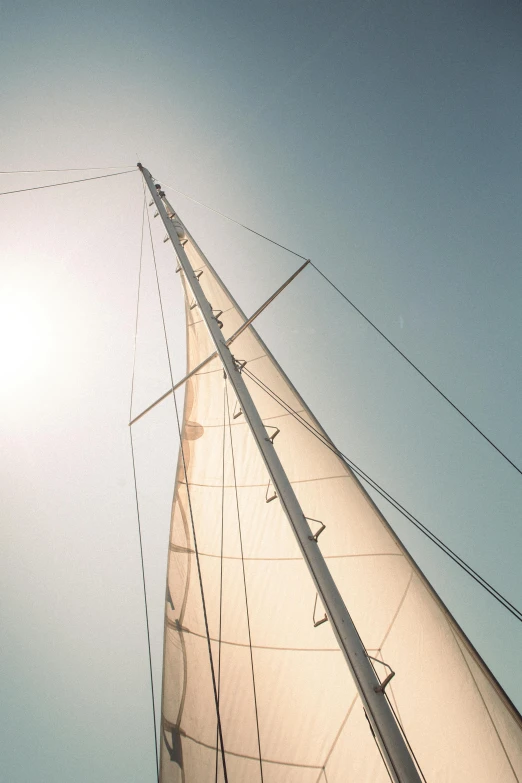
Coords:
pixel 288 707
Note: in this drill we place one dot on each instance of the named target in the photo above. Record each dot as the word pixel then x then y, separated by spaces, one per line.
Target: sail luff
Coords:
pixel 312 722
pixel 402 767
pixel 409 557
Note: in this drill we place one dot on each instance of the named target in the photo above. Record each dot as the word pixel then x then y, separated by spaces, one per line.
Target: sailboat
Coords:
pixel 302 642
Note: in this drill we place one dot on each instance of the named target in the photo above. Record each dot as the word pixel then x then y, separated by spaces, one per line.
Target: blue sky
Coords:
pixel 383 141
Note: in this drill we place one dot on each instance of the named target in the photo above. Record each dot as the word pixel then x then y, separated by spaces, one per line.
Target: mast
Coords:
pixel 391 741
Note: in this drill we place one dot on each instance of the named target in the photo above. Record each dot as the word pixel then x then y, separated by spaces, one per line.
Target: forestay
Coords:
pixel 306 718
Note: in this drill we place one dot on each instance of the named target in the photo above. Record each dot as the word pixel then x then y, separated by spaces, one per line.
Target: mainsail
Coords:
pixel 288 708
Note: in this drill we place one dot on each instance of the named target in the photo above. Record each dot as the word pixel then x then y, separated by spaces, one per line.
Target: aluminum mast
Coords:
pixel 391 741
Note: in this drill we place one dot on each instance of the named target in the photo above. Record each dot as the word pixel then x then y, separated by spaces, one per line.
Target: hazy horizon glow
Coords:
pixel 382 141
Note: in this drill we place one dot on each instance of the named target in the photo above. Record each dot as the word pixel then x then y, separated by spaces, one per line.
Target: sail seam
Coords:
pixel 182 629
pixel 207 372
pixel 397 712
pixel 339 732
pixel 484 704
pixel 239 423
pixel 202 320
pixel 174 548
pixel 250 361
pixel 401 602
pixel 252 758
pixel 244 581
pixel 248 486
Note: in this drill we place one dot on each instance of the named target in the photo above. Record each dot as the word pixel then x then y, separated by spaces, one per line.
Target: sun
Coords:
pixel 25 338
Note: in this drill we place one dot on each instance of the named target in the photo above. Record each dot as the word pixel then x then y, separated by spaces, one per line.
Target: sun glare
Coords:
pixel 25 338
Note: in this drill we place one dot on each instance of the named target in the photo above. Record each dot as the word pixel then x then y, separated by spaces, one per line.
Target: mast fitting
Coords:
pixel 323 619
pixel 316 535
pixel 271 438
pixel 272 497
pixel 381 688
pixel 215 313
pixel 240 363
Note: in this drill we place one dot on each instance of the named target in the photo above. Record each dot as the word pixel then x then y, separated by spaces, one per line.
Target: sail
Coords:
pixel 240 599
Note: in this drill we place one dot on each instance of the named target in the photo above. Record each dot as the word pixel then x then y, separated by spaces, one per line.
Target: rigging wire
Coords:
pixel 136 494
pixel 222 214
pixel 386 766
pixel 403 732
pixel 368 321
pixel 419 371
pixel 244 585
pixel 502 600
pixel 69 182
pixel 221 560
pixel 196 549
pixel 45 171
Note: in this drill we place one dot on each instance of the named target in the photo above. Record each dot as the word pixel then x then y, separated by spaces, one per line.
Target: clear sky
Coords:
pixel 381 139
